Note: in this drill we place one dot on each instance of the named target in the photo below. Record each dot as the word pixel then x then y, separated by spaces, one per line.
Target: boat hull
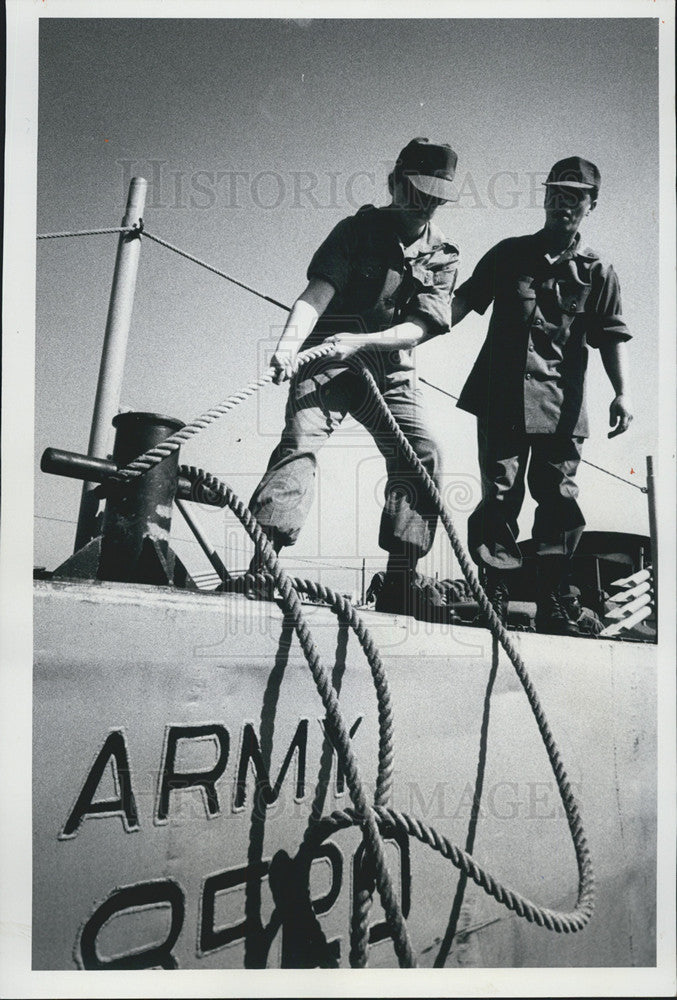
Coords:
pixel 179 753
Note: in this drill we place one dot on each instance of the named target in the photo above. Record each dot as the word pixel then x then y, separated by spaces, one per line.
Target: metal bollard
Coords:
pixel 136 524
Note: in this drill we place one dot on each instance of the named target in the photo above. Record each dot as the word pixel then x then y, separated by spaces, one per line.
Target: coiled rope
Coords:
pixel 365 816
pixel 208 490
pixel 586 880
pixel 372 819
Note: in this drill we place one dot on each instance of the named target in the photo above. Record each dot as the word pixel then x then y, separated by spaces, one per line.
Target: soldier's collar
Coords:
pixel 575 249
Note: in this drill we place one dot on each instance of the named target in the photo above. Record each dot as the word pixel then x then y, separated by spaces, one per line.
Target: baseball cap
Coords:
pixel 574 172
pixel 430 167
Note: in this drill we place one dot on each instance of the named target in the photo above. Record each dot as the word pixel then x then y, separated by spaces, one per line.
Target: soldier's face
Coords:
pixel 417 205
pixel 565 208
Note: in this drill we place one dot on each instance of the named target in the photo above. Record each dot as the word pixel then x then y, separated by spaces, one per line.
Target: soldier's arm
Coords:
pixel 477 292
pixel 460 307
pixel 608 332
pixel 615 360
pixel 401 337
pixel 428 314
pixel 304 314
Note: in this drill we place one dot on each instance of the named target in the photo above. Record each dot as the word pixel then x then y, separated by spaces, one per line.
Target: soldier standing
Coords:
pixel 378 286
pixel 552 298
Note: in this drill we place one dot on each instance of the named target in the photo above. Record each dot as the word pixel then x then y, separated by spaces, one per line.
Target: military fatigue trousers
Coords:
pixel 316 407
pixel 558 522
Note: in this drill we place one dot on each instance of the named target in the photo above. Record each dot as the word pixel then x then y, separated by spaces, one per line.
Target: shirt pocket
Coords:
pixel 571 296
pixel 422 274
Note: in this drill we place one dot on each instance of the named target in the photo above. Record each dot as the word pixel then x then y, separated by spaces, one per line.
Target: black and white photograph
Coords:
pixel 337 552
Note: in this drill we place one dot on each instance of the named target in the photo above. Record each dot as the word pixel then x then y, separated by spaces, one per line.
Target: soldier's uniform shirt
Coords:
pixel 527 388
pixel 378 283
pixel 530 372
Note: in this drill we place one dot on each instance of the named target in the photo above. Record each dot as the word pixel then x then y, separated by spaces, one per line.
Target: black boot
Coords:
pixel 390 596
pixel 409 593
pixel 395 595
pixel 551 616
pixel 496 586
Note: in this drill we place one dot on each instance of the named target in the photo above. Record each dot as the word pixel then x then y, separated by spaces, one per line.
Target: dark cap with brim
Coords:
pixel 430 168
pixel 574 172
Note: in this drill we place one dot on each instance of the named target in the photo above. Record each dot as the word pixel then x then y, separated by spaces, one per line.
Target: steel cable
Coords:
pixel 87 232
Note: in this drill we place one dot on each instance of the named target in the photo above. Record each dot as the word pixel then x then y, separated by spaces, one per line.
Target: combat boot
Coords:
pixel 551 617
pixel 406 592
pixel 497 590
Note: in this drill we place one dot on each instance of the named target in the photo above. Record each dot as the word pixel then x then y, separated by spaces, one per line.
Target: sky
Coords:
pixel 256 137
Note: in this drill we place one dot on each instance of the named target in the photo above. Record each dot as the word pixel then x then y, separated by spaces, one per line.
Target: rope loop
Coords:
pixel 370 819
pixel 207 488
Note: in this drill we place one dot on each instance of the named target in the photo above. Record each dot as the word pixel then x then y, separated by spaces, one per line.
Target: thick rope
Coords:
pixel 336 725
pixel 207 489
pixel 363 815
pixel 155 455
pixel 563 922
pixel 347 615
pixel 586 879
pixel 211 491
pixel 337 728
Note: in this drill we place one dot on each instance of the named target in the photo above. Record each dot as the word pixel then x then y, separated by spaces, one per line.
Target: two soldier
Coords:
pixel 381 284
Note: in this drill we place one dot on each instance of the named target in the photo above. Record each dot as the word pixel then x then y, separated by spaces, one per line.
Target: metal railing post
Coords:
pixel 653 530
pixel 113 354
pixel 201 535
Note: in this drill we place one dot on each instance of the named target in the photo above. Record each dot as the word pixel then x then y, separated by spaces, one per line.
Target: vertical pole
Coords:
pixel 653 532
pixel 114 351
pixel 364 580
pixel 600 593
